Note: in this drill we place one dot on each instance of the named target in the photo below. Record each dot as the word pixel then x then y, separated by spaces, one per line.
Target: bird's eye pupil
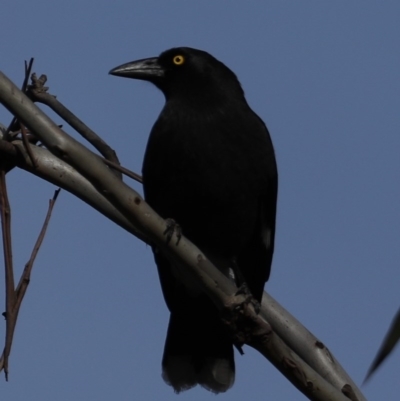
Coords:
pixel 178 60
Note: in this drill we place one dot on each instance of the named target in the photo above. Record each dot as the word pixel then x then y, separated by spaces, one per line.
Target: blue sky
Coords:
pixel 324 76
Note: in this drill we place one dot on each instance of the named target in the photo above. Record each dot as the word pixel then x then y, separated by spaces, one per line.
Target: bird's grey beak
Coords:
pixel 147 69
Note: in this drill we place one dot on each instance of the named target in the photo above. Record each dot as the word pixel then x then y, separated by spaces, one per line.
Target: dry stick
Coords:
pixel 26 274
pixel 14 298
pixel 28 69
pixel 38 93
pixel 26 143
pixel 9 274
pixel 390 341
pixel 13 307
pixel 124 170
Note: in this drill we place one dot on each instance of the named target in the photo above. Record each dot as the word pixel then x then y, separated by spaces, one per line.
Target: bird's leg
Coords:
pixel 243 288
pixel 172 227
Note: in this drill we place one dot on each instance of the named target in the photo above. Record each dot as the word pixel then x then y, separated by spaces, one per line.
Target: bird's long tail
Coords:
pixel 198 351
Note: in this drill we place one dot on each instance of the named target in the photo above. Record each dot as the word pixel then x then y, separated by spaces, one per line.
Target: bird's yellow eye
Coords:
pixel 178 60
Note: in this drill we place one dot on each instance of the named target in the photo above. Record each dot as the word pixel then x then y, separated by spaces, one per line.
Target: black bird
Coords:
pixel 210 166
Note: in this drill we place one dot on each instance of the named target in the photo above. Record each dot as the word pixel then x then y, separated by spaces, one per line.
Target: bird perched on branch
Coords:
pixel 210 166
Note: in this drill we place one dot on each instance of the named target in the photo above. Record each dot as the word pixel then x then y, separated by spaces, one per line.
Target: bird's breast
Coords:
pixel 202 172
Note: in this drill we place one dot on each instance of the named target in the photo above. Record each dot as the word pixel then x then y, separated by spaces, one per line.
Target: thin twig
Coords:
pixel 6 231
pixel 13 124
pixel 38 93
pixel 26 274
pixel 391 339
pixel 14 301
pixel 124 170
pixel 27 145
pixel 9 274
pixel 28 69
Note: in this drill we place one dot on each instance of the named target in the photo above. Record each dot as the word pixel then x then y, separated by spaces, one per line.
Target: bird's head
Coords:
pixel 184 71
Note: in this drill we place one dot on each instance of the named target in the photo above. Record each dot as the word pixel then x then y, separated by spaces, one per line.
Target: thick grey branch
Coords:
pixel 54 170
pixel 306 345
pixel 146 221
pixel 61 174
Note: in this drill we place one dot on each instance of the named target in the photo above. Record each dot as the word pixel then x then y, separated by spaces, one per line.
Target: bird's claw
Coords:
pixel 244 290
pixel 172 227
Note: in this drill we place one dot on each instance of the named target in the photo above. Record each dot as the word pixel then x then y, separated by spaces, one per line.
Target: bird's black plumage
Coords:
pixel 210 166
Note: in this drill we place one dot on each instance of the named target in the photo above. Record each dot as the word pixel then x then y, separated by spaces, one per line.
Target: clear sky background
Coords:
pixel 324 76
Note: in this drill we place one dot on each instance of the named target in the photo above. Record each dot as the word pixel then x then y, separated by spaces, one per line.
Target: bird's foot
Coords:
pixel 172 227
pixel 245 290
pixel 235 317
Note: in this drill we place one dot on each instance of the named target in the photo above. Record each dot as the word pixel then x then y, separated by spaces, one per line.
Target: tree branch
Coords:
pixel 38 93
pixel 14 297
pixel 9 271
pixel 218 287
